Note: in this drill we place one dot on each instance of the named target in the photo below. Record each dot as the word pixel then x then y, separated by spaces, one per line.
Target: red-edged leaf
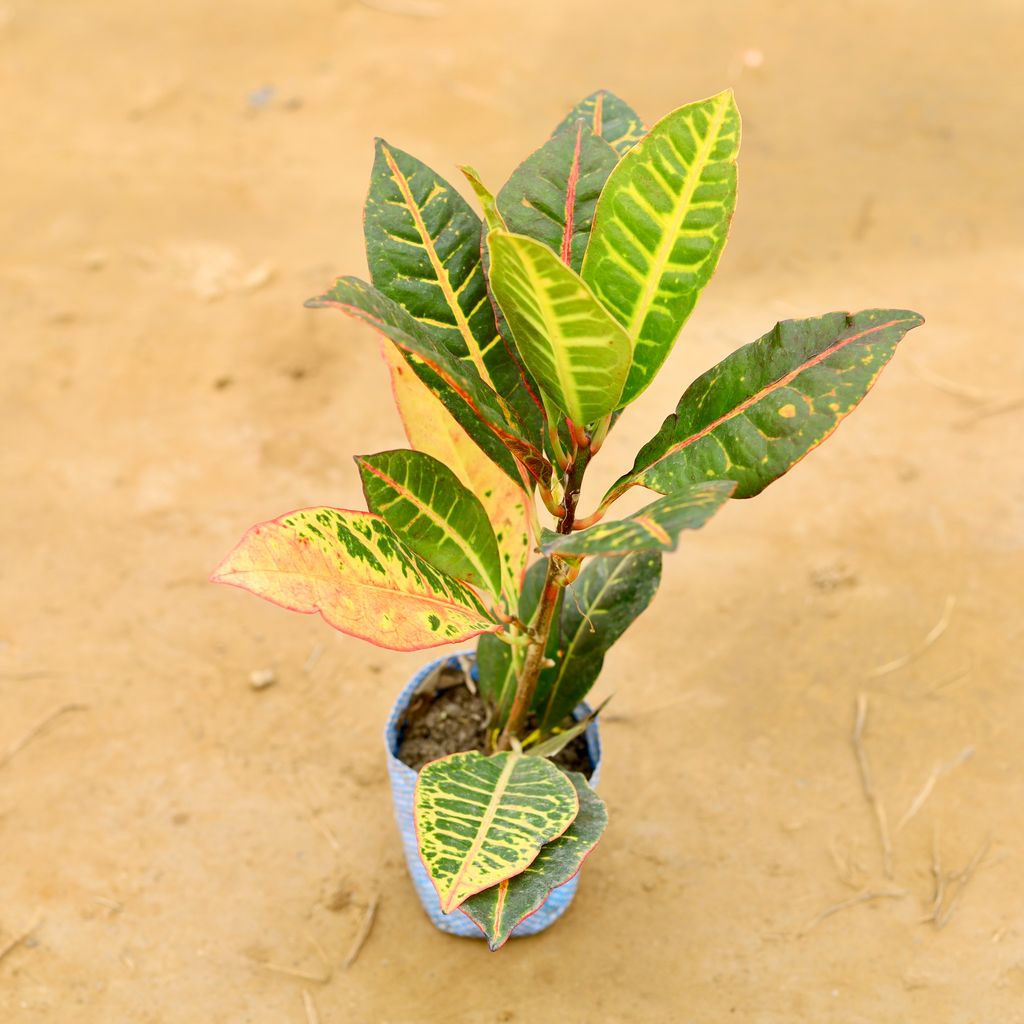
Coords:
pixel 763 408
pixel 352 569
pixel 473 404
pixel 432 429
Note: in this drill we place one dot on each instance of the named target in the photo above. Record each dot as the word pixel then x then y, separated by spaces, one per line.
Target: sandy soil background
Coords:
pixel 180 848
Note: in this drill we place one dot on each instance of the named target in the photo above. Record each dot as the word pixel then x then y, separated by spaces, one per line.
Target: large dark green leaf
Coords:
pixel 570 343
pixel 423 250
pixel 496 911
pixel 607 116
pixel 763 408
pixel 598 607
pixel 427 505
pixel 656 527
pixel 495 659
pixel 551 195
pixel 661 225
pixel 474 405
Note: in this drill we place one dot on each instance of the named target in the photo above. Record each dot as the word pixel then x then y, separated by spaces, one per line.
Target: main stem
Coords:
pixel 540 629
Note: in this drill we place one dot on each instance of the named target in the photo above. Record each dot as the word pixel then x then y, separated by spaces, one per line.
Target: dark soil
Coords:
pixel 446 717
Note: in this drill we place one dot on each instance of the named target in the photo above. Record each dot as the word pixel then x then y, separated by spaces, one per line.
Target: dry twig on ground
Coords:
pixel 21 744
pixel 364 933
pixel 926 790
pixel 934 633
pixel 868 896
pixel 868 783
pixel 14 943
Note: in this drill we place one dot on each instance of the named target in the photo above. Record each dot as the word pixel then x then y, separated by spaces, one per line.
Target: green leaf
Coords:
pixel 480 820
pixel 492 218
pixel 423 250
pixel 572 346
pixel 497 911
pixel 551 195
pixel 474 406
pixel 607 116
pixel 432 429
pixel 598 607
pixel 429 508
pixel 656 527
pixel 556 743
pixel 352 569
pixel 495 659
pixel 661 225
pixel 763 408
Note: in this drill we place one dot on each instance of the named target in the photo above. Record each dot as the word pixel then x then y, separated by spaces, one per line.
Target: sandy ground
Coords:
pixel 176 179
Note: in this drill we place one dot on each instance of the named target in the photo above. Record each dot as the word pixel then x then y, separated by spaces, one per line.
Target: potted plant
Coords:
pixel 513 345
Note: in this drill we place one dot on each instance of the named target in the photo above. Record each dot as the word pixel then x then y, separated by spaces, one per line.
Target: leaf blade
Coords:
pixel 497 911
pixel 352 569
pixel 473 405
pixel 661 225
pixel 578 354
pixel 431 428
pixel 609 117
pixel 763 408
pixel 480 820
pixel 433 512
pixel 656 527
pixel 552 195
pixel 423 250
pixel 599 606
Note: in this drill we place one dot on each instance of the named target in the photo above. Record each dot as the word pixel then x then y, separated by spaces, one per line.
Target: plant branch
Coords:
pixel 560 573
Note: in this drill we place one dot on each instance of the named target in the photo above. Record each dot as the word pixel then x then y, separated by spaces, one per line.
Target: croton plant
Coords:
pixel 513 344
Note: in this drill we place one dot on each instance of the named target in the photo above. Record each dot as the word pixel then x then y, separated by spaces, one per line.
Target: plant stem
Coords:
pixel 559 574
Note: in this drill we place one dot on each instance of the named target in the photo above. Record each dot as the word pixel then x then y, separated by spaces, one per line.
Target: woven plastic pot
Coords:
pixel 403 784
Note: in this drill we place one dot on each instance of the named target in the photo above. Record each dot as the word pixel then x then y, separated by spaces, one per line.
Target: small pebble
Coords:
pixel 261 678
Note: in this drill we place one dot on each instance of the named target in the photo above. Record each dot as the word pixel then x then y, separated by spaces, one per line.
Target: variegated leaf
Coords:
pixel 576 351
pixel 480 820
pixel 660 227
pixel 598 607
pixel 551 195
pixel 423 250
pixel 497 911
pixel 473 404
pixel 763 408
pixel 432 429
pixel 492 217
pixel 607 116
pixel 434 513
pixel 496 660
pixel 352 569
pixel 656 527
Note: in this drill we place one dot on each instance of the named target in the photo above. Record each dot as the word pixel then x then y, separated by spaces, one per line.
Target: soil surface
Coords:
pixel 451 719
pixel 181 845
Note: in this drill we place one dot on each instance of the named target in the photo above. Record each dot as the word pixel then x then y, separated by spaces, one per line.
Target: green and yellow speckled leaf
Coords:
pixel 432 512
pixel 763 408
pixel 474 405
pixel 598 607
pixel 660 227
pixel 432 429
pixel 656 527
pixel 480 820
pixel 551 195
pixel 496 911
pixel 423 251
pixel 608 117
pixel 352 569
pixel 572 346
